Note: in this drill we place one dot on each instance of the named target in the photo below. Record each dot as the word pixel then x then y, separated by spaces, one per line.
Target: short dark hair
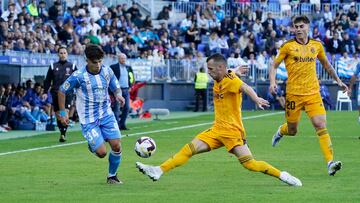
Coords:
pixel 218 58
pixel 301 18
pixel 62 47
pixel 94 52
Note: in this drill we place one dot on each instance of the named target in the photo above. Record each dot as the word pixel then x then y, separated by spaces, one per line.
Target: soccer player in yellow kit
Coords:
pixel 302 88
pixel 228 129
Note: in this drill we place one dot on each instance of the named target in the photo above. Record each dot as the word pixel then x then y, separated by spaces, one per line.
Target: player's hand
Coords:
pixel 242 70
pixel 343 86
pixel 349 92
pixel 120 99
pixel 64 120
pixel 273 88
pixel 261 103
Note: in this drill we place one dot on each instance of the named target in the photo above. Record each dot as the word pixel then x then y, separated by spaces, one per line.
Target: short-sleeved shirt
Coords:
pixel 227 104
pixel 300 63
pixel 92 96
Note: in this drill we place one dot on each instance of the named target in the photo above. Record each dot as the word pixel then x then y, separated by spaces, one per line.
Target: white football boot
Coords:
pixel 154 172
pixel 276 138
pixel 333 167
pixel 289 179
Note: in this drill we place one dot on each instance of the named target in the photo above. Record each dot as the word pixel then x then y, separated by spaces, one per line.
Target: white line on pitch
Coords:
pixel 133 134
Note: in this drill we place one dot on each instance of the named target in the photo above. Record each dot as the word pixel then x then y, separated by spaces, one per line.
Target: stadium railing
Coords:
pixel 170 70
pixel 278 9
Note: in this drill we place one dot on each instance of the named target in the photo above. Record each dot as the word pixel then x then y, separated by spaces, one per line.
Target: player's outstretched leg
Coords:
pixel 153 172
pixel 251 164
pixel 180 158
pixel 333 167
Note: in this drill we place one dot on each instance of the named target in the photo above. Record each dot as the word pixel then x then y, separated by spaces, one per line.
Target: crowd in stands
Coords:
pixel 247 36
pixel 39 28
pixel 23 105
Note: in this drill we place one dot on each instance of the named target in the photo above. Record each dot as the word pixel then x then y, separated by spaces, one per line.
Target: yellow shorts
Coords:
pixel 216 140
pixel 312 104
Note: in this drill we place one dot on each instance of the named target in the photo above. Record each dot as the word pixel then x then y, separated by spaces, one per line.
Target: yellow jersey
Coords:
pixel 300 63
pixel 227 104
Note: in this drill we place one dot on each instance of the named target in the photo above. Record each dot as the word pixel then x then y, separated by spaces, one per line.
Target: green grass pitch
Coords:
pixel 72 174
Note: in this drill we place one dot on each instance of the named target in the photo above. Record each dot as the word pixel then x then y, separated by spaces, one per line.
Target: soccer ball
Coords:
pixel 145 147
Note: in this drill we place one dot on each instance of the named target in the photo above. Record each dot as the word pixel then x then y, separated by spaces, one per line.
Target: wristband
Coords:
pixel 62 113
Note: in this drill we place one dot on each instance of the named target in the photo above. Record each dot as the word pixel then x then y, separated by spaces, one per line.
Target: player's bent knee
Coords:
pixel 116 148
pixel 101 154
pixel 292 131
pixel 319 125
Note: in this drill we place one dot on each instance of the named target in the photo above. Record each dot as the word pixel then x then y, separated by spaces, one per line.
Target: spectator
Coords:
pixel 55 11
pixel 201 82
pixel 325 95
pixel 9 12
pixel 208 11
pixel 213 43
pixel 192 35
pixel 164 14
pixel 223 45
pixel 352 14
pixel 94 11
pixel 220 14
pixel 134 11
pixel 335 44
pixel 43 12
pixel 278 97
pixel 328 17
pixel 93 26
pixel 125 75
pixel 270 21
pixel 349 44
pixel 202 24
pixel 257 27
pixel 32 8
pixel 270 43
pixel 186 23
pixel 3 110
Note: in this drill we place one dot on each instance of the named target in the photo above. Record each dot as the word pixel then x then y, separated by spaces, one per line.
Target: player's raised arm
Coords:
pixel 330 69
pixel 260 102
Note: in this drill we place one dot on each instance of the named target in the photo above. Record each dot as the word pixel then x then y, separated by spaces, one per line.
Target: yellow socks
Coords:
pixel 284 129
pixel 325 144
pixel 179 158
pixel 259 166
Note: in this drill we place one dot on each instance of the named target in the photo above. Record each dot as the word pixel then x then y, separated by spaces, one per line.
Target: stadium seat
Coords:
pixel 343 98
pixel 159 112
pixel 201 47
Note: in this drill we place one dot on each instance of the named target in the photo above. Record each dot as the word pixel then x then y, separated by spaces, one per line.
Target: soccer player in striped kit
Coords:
pixel 98 122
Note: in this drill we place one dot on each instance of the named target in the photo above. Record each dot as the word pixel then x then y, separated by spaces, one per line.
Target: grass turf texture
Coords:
pixel 72 174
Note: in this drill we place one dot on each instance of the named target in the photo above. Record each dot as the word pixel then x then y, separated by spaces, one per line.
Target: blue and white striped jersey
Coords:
pixel 92 97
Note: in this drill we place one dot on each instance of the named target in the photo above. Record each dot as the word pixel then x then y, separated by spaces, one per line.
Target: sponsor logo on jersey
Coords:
pixel 304 59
